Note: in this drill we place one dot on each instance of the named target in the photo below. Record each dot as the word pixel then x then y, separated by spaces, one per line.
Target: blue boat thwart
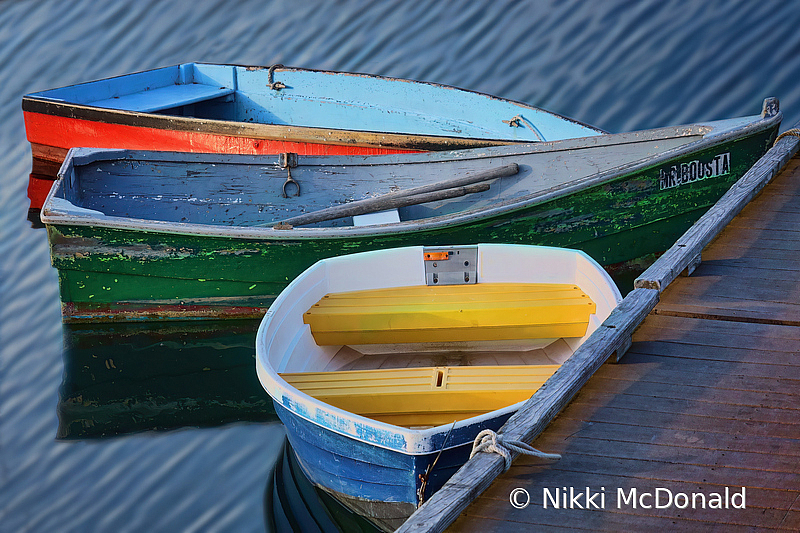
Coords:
pixel 384 366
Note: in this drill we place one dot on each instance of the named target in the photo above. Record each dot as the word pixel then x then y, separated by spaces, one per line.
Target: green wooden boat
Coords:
pixel 164 235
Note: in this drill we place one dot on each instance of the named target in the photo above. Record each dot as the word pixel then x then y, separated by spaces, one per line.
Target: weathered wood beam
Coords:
pixel 534 416
pixel 684 255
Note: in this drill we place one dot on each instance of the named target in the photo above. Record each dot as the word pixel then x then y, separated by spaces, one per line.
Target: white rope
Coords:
pixel 490 442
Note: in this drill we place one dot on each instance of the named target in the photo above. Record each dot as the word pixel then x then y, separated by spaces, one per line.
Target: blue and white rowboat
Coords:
pixel 385 365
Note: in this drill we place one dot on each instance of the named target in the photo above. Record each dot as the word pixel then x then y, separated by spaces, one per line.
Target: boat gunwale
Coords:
pixel 251 130
pixel 710 139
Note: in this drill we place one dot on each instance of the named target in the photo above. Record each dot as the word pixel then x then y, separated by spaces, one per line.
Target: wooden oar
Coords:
pixel 451 188
pixel 469 179
pixel 380 203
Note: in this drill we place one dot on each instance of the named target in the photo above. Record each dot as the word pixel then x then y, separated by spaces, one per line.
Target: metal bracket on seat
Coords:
pixel 451 265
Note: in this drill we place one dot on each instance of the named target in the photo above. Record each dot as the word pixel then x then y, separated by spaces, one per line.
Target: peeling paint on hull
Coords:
pixel 385 481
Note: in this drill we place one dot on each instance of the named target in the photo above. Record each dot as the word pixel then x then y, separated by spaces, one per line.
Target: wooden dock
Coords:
pixel 707 398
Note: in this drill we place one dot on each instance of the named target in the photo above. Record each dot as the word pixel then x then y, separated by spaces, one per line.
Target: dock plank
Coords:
pixel 627 391
pixel 771 373
pixel 756 239
pixel 592 520
pixel 717 307
pixel 683 373
pixel 621 431
pixel 658 325
pixel 791 521
pixel 670 453
pixel 747 256
pixel 693 414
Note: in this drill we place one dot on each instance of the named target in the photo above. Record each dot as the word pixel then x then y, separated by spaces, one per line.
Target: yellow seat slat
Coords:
pixel 442 290
pixel 452 293
pixel 422 396
pixel 464 334
pixel 450 313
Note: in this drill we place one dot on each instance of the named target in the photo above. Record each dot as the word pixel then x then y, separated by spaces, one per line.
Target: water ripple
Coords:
pixel 618 65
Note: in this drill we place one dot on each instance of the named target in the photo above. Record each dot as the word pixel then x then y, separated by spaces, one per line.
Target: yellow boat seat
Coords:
pixel 427 396
pixel 477 312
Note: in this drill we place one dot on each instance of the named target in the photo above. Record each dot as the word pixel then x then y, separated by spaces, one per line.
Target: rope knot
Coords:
pixel 793 132
pixel 490 442
pixel 517 122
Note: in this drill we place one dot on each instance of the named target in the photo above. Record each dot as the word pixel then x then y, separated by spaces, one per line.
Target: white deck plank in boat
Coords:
pixel 349 359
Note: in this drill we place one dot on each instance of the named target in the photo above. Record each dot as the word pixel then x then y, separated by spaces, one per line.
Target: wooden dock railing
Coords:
pixel 612 339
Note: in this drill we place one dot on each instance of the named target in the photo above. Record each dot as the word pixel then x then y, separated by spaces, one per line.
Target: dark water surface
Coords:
pixel 613 64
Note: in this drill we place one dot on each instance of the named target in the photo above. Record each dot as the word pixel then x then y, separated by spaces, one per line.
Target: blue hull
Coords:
pixel 359 470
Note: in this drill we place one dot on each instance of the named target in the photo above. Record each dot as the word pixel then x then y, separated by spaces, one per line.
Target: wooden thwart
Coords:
pixel 423 396
pixel 478 312
pixel 164 97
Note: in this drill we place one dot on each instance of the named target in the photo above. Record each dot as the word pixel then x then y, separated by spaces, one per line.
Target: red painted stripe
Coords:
pixel 38 187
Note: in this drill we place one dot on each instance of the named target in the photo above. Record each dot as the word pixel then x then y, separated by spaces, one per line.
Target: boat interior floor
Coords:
pixel 551 351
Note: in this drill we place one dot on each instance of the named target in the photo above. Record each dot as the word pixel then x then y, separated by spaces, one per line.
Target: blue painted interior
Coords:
pixel 231 190
pixel 244 190
pixel 318 99
pixel 117 87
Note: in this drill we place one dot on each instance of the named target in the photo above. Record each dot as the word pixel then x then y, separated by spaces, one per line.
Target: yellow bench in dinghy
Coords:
pixel 477 312
pixel 430 396
pixel 426 396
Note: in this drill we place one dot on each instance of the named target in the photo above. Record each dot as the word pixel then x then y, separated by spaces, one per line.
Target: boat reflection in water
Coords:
pixel 134 377
pixel 292 503
pixel 126 378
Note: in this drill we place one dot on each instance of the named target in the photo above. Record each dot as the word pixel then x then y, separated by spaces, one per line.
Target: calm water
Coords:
pixel 126 429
